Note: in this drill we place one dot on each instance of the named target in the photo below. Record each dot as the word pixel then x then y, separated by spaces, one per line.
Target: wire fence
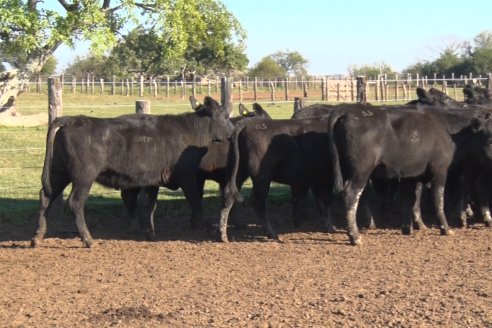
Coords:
pixel 332 88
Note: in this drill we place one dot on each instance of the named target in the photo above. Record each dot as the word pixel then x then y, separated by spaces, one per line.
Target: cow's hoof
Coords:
pixel 330 228
pixel 89 243
pixel 223 238
pixel 35 242
pixel 420 226
pixel 150 236
pixel 488 223
pixel 446 232
pixel 406 230
pixel 355 241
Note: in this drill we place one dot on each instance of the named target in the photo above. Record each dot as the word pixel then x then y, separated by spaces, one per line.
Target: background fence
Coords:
pixel 325 88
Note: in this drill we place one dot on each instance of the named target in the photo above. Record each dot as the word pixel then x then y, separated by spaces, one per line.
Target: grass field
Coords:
pixel 22 151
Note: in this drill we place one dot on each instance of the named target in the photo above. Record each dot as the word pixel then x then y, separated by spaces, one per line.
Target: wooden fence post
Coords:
pixel 141 88
pixel 272 91
pixel 74 83
pixel 361 90
pixel 397 93
pixel 193 87
pixel 54 99
pixel 240 91
pixel 286 89
pixel 102 86
pixel 142 106
pixel 255 89
pixel 226 94
pixel 127 87
pixel 113 86
pixel 323 82
pixel 378 93
pixel 38 86
pixel 304 89
pixel 489 81
pixel 182 89
pixel 167 86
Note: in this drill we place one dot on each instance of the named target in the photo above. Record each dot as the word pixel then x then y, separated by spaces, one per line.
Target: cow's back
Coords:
pixel 127 151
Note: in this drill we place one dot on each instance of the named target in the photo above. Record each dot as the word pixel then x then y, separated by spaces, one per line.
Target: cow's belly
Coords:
pixel 116 180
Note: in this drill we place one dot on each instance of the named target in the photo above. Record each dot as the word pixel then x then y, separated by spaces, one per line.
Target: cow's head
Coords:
pixel 220 127
pixel 258 111
pixel 435 97
pixel 482 140
pixel 476 95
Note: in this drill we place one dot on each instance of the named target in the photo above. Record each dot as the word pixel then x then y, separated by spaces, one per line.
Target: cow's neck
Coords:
pixel 200 131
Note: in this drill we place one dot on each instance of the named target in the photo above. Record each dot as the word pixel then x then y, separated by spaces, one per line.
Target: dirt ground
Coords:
pixel 184 279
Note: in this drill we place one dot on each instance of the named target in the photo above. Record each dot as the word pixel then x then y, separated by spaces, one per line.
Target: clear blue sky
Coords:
pixel 332 35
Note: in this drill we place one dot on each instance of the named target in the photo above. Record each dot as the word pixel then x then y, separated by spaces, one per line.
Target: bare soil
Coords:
pixel 185 279
pixel 23 120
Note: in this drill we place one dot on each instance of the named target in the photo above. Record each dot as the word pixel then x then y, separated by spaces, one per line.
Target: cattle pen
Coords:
pixel 186 279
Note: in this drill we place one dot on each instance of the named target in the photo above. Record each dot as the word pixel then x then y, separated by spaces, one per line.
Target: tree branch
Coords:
pixel 70 7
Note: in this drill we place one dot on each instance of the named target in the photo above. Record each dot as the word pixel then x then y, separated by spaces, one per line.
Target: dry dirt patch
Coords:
pixel 312 279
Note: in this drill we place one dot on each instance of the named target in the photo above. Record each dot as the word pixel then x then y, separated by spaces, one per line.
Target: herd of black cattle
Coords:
pixel 434 141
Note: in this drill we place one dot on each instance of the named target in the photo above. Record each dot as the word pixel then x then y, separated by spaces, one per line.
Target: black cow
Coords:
pixel 212 166
pixel 477 95
pixel 126 152
pixel 291 152
pixel 318 110
pixel 397 144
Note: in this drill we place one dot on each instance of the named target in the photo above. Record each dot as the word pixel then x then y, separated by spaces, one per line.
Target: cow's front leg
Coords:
pixel 194 198
pixel 259 194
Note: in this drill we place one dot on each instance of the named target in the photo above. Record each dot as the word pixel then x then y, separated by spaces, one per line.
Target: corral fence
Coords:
pixel 331 88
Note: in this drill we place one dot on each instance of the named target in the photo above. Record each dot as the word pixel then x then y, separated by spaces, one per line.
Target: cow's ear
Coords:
pixel 468 92
pixel 257 108
pixel 243 111
pixel 211 103
pixel 422 94
pixel 195 104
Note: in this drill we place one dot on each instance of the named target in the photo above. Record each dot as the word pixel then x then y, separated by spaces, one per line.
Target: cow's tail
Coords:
pixel 335 158
pixel 233 164
pixel 45 177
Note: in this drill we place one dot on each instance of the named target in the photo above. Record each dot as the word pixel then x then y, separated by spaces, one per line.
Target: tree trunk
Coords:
pixel 13 82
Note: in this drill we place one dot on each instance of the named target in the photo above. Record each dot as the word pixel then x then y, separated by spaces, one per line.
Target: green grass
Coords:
pixel 22 150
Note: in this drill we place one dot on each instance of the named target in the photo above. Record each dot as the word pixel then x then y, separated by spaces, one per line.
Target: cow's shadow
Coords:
pixel 107 219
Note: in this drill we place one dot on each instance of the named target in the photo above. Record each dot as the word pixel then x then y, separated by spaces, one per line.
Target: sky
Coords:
pixel 335 35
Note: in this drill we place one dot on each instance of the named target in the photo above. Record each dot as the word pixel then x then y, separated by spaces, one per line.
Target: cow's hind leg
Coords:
pixel 438 193
pixel 323 198
pixel 416 208
pixel 76 201
pixel 228 202
pixel 351 196
pixel 45 200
